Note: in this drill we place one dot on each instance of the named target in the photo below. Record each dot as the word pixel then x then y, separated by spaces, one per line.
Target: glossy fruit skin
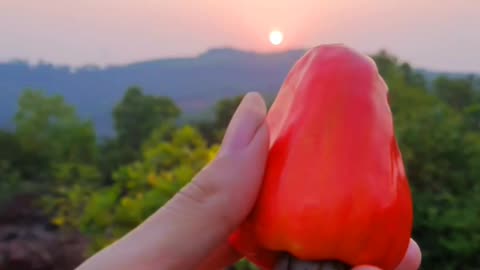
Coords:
pixel 335 187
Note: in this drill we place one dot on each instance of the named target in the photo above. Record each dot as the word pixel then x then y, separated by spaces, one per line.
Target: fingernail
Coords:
pixel 249 115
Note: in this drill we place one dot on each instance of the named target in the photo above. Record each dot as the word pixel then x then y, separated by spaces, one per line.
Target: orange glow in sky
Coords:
pixel 435 34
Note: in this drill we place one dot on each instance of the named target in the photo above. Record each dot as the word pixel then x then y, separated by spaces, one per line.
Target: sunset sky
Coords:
pixel 437 34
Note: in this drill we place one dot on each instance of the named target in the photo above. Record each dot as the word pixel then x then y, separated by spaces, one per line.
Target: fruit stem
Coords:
pixel 288 262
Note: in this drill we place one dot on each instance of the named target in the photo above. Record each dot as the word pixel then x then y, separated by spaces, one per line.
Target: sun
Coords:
pixel 276 37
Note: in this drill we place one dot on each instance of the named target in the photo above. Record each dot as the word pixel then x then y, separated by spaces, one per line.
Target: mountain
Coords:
pixel 195 84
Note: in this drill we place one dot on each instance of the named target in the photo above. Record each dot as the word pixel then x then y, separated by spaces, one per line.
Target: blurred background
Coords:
pixel 107 108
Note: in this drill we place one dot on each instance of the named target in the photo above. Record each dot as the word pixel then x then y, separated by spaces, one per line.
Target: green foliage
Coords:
pixel 19 161
pixel 106 189
pixel 224 109
pixel 440 152
pixel 458 93
pixel 169 160
pixel 137 115
pixel 472 116
pixel 396 73
pixel 245 265
pixel 48 133
pixel 50 127
pixel 10 180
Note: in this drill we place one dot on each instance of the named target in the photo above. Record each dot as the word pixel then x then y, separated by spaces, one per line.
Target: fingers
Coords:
pixel 411 261
pixel 204 213
pixel 245 123
pixel 207 211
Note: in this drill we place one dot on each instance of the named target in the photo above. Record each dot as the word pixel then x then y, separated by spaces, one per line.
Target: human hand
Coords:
pixel 191 230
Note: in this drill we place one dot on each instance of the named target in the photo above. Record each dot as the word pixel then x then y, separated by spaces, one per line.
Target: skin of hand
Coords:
pixel 191 230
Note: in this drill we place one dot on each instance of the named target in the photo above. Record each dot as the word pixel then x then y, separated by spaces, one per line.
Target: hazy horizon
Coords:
pixel 430 34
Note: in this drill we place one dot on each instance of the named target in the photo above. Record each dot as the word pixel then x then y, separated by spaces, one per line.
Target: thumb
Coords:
pixel 203 215
pixel 205 212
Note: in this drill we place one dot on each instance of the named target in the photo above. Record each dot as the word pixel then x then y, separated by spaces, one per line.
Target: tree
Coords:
pixel 224 109
pixel 472 115
pixel 51 128
pixel 169 160
pixel 387 65
pixel 411 77
pixel 458 93
pixel 440 154
pixel 17 166
pixel 137 115
pixel 395 72
pixel 152 158
pixel 10 182
pixel 57 151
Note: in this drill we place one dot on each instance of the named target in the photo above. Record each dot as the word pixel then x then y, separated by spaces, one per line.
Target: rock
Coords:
pixel 29 242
